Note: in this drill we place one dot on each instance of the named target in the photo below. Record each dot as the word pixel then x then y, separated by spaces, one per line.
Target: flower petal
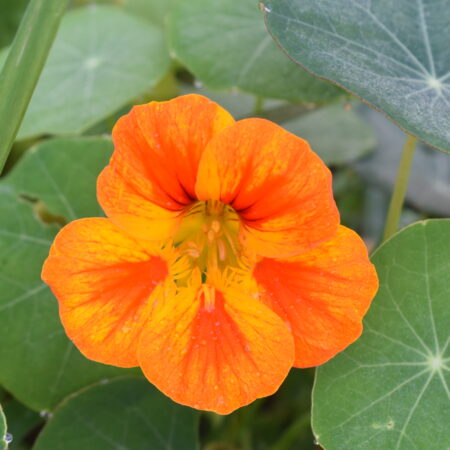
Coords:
pixel 279 187
pixel 103 280
pixel 215 358
pixel 323 295
pixel 152 173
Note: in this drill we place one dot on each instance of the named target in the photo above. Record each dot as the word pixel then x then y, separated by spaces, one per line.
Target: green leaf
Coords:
pixel 22 422
pixel 38 364
pixel 394 55
pixel 336 134
pixel 239 104
pixel 58 166
pixel 225 45
pixel 154 11
pixel 10 18
pixel 3 443
pixel 102 59
pixel 129 414
pixel 390 390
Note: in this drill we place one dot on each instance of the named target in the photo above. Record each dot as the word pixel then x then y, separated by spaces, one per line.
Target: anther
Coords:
pixel 222 250
pixel 215 226
pixel 211 236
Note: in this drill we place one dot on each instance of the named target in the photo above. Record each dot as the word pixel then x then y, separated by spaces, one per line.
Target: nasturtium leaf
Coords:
pixel 3 437
pixel 125 413
pixel 38 364
pixel 239 104
pixel 22 422
pixel 225 45
pixel 338 135
pixel 57 166
pixel 154 11
pixel 390 389
pixel 393 54
pixel 102 58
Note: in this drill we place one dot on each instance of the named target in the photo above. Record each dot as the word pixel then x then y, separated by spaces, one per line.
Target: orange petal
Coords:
pixel 152 173
pixel 103 280
pixel 280 188
pixel 215 357
pixel 323 295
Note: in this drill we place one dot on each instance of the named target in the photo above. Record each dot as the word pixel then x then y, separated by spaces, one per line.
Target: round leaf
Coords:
pixel 394 55
pixel 338 135
pixel 38 364
pixel 154 11
pixel 64 175
pixel 390 390
pixel 224 43
pixel 22 422
pixel 102 58
pixel 126 413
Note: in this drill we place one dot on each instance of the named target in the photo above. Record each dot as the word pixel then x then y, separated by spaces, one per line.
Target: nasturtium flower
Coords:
pixel 221 263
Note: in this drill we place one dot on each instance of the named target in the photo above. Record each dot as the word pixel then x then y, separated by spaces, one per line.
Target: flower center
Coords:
pixel 208 235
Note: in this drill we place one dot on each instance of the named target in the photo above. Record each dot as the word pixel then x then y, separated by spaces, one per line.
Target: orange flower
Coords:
pixel 221 264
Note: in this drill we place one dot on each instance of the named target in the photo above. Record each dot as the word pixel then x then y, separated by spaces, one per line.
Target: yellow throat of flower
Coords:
pixel 208 236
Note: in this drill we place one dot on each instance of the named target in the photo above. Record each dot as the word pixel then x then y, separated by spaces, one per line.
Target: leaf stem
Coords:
pixel 24 64
pixel 258 108
pixel 401 185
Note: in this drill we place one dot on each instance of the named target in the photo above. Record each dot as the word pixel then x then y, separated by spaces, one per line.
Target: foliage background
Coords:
pixel 109 55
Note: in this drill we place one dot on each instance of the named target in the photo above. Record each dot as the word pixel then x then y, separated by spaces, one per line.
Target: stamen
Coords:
pixel 193 249
pixel 210 240
pixel 215 226
pixel 230 240
pixel 222 250
pixel 211 235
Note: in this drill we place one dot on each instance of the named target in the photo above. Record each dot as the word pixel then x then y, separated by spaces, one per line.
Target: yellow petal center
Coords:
pixel 208 236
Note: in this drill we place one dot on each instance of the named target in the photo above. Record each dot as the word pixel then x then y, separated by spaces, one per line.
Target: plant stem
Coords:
pixel 24 64
pixel 401 185
pixel 258 109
